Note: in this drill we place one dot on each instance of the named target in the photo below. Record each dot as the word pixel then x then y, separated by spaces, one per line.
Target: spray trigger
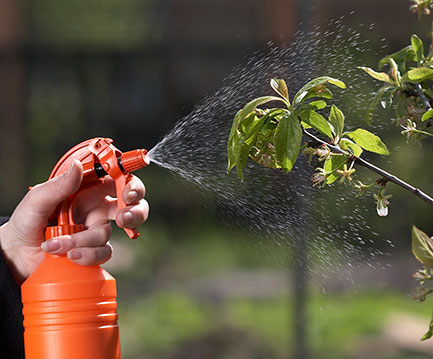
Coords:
pixel 99 158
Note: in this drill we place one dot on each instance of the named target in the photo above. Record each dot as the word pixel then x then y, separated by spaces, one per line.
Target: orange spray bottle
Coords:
pixel 70 311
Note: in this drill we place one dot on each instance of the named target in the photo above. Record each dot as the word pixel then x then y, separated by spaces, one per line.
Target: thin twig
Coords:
pixel 426 102
pixel 387 176
pixel 422 97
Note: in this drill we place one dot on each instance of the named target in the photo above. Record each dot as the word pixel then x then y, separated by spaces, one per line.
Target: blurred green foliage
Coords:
pixel 159 323
pixel 167 314
pixel 91 25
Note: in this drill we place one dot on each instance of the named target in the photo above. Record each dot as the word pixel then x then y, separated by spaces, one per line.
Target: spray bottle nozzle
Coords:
pixel 134 160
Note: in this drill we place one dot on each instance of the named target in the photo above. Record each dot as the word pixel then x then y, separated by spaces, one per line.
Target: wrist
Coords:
pixel 10 251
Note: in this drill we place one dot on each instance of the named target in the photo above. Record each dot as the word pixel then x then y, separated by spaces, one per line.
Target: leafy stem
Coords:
pixel 384 174
pixel 272 137
pixel 423 133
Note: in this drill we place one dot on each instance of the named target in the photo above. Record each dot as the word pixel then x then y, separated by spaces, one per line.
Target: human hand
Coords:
pixel 22 239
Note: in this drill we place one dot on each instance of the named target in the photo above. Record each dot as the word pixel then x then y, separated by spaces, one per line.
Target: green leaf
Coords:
pixel 318 91
pixel 252 105
pixel 315 105
pixel 233 143
pixel 348 145
pixel 395 72
pixel 368 141
pixel 235 140
pixel 429 333
pixel 318 82
pixel 400 57
pixel 238 143
pixel 381 76
pixel 249 139
pixel 332 164
pixel 376 100
pixel 387 95
pixel 418 75
pixel 305 125
pixel 317 121
pixel 418 47
pixel 336 82
pixel 280 87
pixel 427 115
pixel 312 106
pixel 270 125
pixel 263 151
pixel 287 141
pixel 422 247
pixel 336 119
pixel 246 123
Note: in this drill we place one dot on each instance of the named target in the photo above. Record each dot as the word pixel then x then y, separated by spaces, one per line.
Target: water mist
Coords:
pixel 283 207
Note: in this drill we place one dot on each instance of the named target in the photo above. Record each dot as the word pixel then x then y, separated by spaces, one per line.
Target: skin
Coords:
pixel 22 237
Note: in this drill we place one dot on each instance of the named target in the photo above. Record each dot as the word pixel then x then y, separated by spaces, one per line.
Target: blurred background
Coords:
pixel 193 286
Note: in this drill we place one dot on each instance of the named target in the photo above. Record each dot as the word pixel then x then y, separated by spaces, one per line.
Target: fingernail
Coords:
pixel 74 255
pixel 132 197
pixel 127 217
pixel 51 245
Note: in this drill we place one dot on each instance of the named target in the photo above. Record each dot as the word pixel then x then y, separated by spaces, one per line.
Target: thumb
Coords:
pixel 45 197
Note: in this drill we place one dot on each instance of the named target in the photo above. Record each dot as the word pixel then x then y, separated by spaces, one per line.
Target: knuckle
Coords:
pixel 100 236
pixel 67 243
pixel 104 233
pixel 71 242
pixel 58 186
pixel 136 185
pixel 35 188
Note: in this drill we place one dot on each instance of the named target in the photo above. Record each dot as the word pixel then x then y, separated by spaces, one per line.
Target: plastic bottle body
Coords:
pixel 70 312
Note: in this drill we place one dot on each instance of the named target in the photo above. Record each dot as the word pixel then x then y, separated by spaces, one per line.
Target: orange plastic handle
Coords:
pixel 99 152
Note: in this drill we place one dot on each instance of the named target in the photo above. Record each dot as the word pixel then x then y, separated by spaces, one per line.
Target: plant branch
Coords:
pixel 423 133
pixel 422 97
pixel 387 176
